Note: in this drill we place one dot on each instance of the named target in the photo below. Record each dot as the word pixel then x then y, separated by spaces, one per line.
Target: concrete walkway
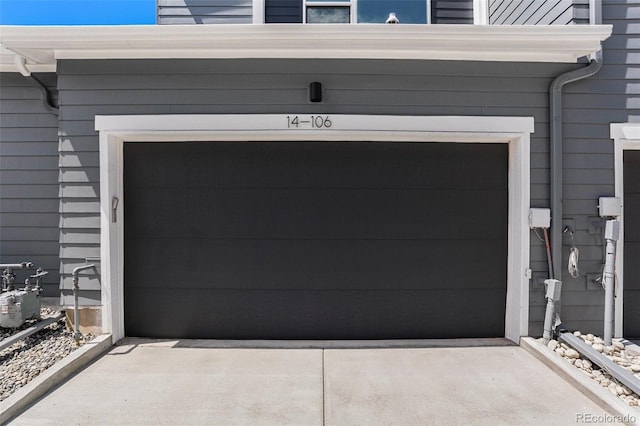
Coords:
pixel 141 383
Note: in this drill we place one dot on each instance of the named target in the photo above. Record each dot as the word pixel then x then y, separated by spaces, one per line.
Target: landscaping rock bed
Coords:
pixel 25 360
pixel 627 358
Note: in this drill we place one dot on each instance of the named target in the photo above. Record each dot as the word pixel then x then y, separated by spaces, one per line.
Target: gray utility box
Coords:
pixel 17 306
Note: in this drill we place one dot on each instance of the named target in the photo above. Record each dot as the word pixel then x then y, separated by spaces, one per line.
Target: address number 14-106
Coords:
pixel 310 122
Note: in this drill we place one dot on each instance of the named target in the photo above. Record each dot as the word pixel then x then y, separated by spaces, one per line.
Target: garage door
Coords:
pixel 631 299
pixel 315 240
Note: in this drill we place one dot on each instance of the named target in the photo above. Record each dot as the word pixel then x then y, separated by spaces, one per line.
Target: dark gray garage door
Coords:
pixel 631 297
pixel 315 240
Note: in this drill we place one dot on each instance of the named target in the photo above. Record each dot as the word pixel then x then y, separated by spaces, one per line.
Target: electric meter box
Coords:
pixel 609 207
pixel 17 306
pixel 539 218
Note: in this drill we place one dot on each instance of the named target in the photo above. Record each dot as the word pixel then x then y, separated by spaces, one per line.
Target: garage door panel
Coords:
pixel 631 313
pixel 632 211
pixel 631 297
pixel 316 213
pixel 631 159
pixel 234 314
pixel 631 267
pixel 316 264
pixel 315 240
pixel 316 164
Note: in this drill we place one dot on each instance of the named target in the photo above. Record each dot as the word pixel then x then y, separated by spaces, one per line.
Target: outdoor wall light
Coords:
pixel 315 92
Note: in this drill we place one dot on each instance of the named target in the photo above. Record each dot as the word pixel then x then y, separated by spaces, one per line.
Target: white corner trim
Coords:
pixel 257 11
pixel 480 12
pixel 117 130
pixel 45 45
pixel 626 136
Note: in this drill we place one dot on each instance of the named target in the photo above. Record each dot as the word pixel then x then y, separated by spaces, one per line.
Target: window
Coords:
pixel 323 12
pixel 365 11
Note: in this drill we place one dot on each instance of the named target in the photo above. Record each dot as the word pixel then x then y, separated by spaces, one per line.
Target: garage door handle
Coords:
pixel 114 209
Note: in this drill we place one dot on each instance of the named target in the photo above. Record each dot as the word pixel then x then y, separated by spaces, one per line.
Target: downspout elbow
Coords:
pixel 21 64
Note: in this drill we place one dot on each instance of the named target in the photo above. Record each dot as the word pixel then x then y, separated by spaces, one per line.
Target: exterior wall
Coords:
pixel 536 12
pixel 205 11
pixel 374 87
pixel 28 178
pixel 612 95
pixel 280 11
pixel 452 11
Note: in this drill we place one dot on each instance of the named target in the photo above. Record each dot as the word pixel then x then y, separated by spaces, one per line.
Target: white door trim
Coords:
pixel 626 136
pixel 116 130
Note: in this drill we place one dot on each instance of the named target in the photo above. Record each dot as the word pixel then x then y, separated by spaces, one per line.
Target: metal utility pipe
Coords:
pixel 553 289
pixel 555 155
pixel 23 265
pixel 548 248
pixel 612 230
pixel 76 332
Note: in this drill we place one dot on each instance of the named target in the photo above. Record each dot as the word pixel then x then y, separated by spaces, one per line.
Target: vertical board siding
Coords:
pixel 205 11
pixel 28 178
pixel 536 12
pixel 452 11
pixel 88 88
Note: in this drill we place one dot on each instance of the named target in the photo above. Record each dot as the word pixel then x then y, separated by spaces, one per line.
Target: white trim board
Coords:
pixel 117 130
pixel 44 45
pixel 626 136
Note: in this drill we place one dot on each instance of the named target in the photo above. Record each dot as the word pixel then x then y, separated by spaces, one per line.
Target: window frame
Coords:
pixel 353 9
pixel 351 4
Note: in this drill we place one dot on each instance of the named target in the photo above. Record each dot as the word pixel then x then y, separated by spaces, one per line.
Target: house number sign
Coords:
pixel 308 122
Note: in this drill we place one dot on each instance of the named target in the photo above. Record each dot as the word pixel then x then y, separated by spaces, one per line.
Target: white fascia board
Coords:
pixel 370 41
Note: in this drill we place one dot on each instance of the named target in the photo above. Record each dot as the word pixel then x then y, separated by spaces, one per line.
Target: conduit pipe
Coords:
pixel 23 265
pixel 555 155
pixel 76 326
pixel 611 234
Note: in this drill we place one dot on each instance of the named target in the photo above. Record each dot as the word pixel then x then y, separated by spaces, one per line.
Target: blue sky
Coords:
pixel 77 12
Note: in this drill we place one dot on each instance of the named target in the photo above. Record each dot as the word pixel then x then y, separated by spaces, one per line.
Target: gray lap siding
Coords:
pixel 110 87
pixel 589 107
pixel 28 177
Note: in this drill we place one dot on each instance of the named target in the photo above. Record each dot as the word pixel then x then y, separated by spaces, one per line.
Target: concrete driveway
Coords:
pixel 167 383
